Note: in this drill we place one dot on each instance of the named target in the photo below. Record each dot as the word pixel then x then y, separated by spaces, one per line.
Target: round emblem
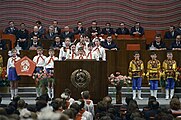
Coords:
pixel 80 78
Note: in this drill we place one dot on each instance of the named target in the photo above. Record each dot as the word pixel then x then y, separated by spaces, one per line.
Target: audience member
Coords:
pixel 137 30
pixel 176 45
pixel 50 35
pixel 171 34
pixel 107 30
pixel 11 29
pixel 122 30
pixel 35 33
pixel 67 34
pixel 178 29
pixel 57 44
pixel 93 31
pixel 157 44
pixel 57 30
pixel 109 44
pixel 79 29
pixel 34 43
pixel 41 29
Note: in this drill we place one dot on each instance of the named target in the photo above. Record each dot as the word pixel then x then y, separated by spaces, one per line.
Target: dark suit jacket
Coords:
pixel 70 35
pixel 38 44
pixel 58 29
pixel 174 45
pixel 119 31
pixel 133 29
pixel 81 31
pixel 48 37
pixel 9 31
pixel 161 45
pixel 23 35
pixel 42 30
pixel 54 45
pixel 105 32
pixel 39 35
pixel 90 31
pixel 178 30
pixel 104 44
pixel 168 35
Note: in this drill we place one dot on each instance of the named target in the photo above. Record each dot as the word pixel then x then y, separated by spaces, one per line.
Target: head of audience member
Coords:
pixel 51 29
pixel 101 106
pixel 106 117
pixel 90 46
pixel 23 26
pixel 57 39
pixel 21 104
pixel 44 97
pixel 108 25
pixel 87 39
pixel 2 111
pixel 107 99
pixel 158 38
pixel 85 94
pixel 178 38
pixel 38 23
pixel 171 28
pixel 55 23
pixel 128 99
pixel 169 55
pixel 73 47
pixel 11 24
pixel 82 38
pixel 67 42
pixel 79 24
pixel 81 103
pixel 136 114
pixel 75 106
pixel 122 25
pixel 137 25
pixel 136 55
pixel 35 38
pixel 68 92
pixel 66 29
pixel 97 42
pixel 132 105
pixel 81 51
pixel 69 113
pixel 175 104
pixel 40 104
pixel 94 24
pixel 155 105
pixel 35 29
pixel 109 38
pixel 153 55
pixel 51 52
pixel 39 50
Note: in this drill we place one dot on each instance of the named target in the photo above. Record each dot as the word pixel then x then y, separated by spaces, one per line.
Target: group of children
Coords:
pixel 154 74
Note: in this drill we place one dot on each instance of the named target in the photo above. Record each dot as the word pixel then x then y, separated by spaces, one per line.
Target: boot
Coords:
pixel 171 93
pixel 139 95
pixel 134 94
pixel 49 92
pixel 167 94
pixel 12 94
pixel 15 92
pixel 52 93
pixel 155 94
pixel 151 92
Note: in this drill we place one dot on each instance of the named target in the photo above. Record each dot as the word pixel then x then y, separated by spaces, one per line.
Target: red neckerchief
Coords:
pixel 89 54
pixel 40 56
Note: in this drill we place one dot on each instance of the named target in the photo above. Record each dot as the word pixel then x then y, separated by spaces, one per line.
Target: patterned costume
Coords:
pixel 169 70
pixel 136 69
pixel 153 75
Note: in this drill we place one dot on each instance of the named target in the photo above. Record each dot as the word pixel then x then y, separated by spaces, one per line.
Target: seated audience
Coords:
pixel 178 30
pixel 79 29
pixel 41 29
pixel 35 33
pixel 93 31
pixel 171 34
pixel 107 30
pixel 67 34
pixel 22 37
pixel 57 30
pixel 137 30
pixel 57 44
pixel 122 30
pixel 11 29
pixel 176 45
pixel 108 44
pixel 50 35
pixel 157 44
pixel 34 43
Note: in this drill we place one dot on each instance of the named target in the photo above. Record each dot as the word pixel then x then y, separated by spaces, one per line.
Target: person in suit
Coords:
pixel 108 44
pixel 178 29
pixel 57 44
pixel 41 29
pixel 93 31
pixel 35 33
pixel 122 30
pixel 171 34
pixel 34 43
pixel 50 35
pixel 158 44
pixel 11 29
pixel 67 34
pixel 22 37
pixel 57 30
pixel 137 30
pixel 79 29
pixel 176 45
pixel 107 30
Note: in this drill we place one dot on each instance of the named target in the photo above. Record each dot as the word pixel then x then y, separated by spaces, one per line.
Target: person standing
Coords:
pixel 153 74
pixel 169 70
pixel 136 70
pixel 12 74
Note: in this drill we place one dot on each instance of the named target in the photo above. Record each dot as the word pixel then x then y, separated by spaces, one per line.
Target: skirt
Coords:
pixel 12 75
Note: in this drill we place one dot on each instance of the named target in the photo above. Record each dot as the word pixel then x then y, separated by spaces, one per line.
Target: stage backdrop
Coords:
pixel 153 14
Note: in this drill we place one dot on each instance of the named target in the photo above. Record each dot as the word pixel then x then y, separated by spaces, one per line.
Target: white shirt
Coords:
pixel 11 62
pixel 100 53
pixel 89 106
pixel 91 55
pixel 49 61
pixel 39 60
pixel 63 53
pixel 80 57
pixel 72 55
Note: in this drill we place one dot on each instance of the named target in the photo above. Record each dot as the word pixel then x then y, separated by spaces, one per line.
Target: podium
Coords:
pixel 80 75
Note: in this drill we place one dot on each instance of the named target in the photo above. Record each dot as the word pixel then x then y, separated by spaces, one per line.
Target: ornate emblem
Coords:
pixel 25 66
pixel 80 78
